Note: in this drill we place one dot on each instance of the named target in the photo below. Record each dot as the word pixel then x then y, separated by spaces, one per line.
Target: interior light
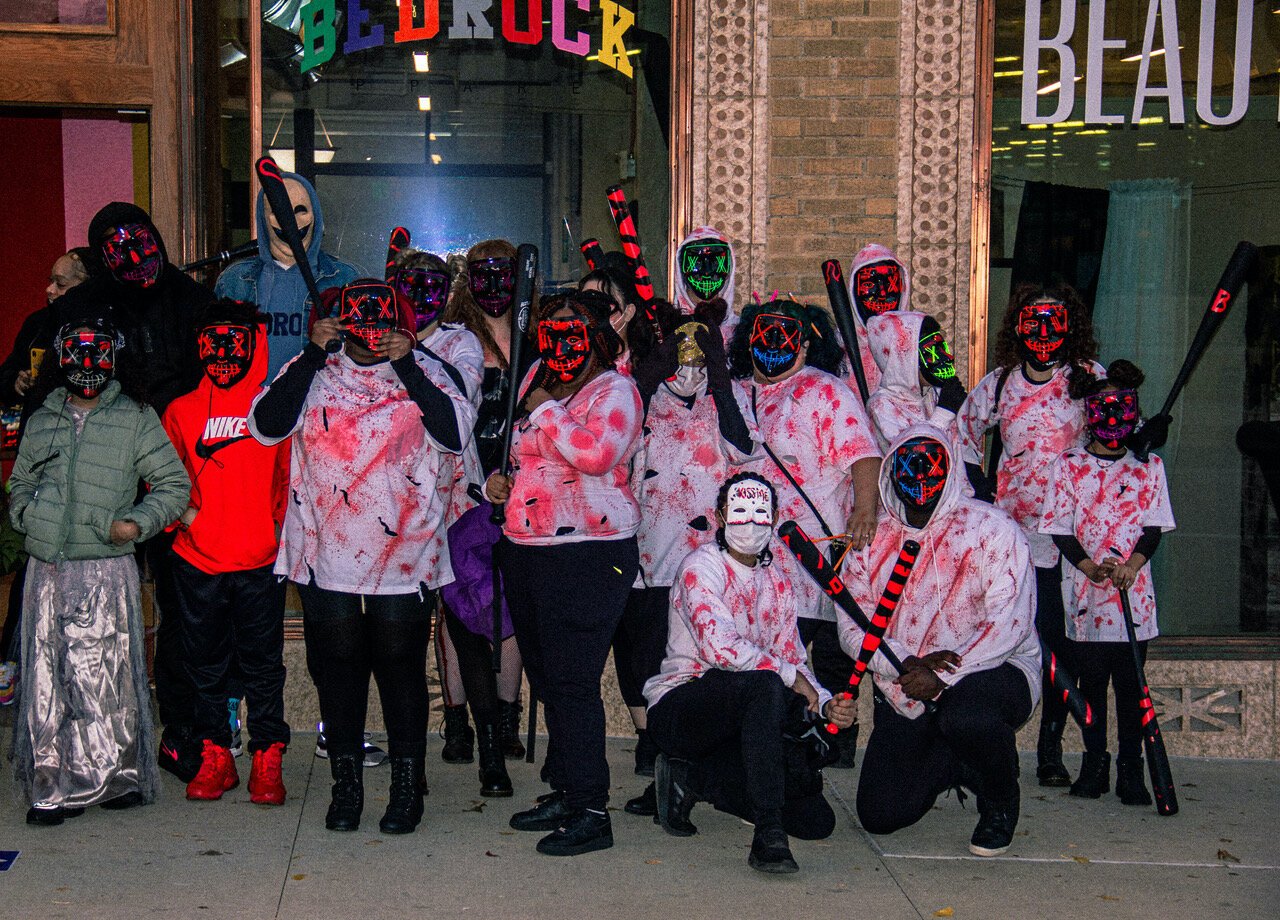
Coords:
pixel 283 157
pixel 1137 57
pixel 1052 87
pixel 420 62
pixel 424 103
pixel 436 158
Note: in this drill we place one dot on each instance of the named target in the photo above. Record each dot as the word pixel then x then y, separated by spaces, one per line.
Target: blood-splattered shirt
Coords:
pixel 462 350
pixel 1038 421
pixel 570 466
pixel 818 428
pixel 971 590
pixel 900 400
pixel 676 477
pixel 733 617
pixel 365 515
pixel 1106 503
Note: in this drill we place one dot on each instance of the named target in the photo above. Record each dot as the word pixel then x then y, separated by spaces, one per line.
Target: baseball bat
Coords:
pixel 398 243
pixel 1064 684
pixel 526 272
pixel 1152 741
pixel 277 197
pixel 872 638
pixel 842 310
pixel 593 253
pixel 631 249
pixel 227 255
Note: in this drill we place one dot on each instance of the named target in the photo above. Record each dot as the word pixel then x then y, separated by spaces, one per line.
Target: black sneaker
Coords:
pixel 547 815
pixel 995 830
pixel 180 754
pixel 771 852
pixel 46 814
pixel 675 796
pixel 583 831
pixel 645 804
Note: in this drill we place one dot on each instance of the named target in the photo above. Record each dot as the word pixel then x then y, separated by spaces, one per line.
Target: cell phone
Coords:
pixel 37 358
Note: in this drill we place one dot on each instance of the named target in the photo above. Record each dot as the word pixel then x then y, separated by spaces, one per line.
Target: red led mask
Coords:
pixel 1111 416
pixel 132 255
pixel 877 288
pixel 1042 330
pixel 226 351
pixel 920 468
pixel 565 346
pixel 88 361
pixel 369 311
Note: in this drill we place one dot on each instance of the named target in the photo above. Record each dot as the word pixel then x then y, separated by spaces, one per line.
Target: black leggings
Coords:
pixel 640 642
pixel 1051 623
pixel 1100 664
pixel 475 665
pixel 349 637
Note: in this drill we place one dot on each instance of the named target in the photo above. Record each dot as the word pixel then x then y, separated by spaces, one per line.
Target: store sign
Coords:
pixel 1162 44
pixel 420 21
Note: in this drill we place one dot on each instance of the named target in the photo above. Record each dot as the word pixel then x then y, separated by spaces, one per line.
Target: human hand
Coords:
pixel 393 345
pixel 1123 575
pixel 920 683
pixel 123 532
pixel 497 488
pixel 941 660
pixel 1094 572
pixel 861 526
pixel 24 382
pixel 842 711
pixel 805 689
pixel 326 330
pixel 188 517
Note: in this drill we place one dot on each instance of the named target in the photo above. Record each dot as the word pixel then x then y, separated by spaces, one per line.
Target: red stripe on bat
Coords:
pixel 831 272
pixel 1221 301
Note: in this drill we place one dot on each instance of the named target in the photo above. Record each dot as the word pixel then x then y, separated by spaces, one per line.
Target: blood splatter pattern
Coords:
pixel 571 466
pixel 900 400
pixel 460 347
pixel 1104 504
pixel 818 427
pixel 730 616
pixel 1037 423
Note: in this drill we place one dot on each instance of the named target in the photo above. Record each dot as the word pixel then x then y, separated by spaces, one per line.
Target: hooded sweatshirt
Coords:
pixel 238 485
pixel 279 290
pixel 867 255
pixel 686 299
pixel 158 323
pixel 971 590
pixel 900 400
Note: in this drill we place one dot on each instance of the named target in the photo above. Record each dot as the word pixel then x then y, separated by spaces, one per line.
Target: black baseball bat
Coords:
pixel 277 196
pixel 842 311
pixel 526 272
pixel 1064 684
pixel 227 255
pixel 397 244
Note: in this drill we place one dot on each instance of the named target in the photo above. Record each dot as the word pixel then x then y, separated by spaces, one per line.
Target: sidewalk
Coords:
pixel 1072 858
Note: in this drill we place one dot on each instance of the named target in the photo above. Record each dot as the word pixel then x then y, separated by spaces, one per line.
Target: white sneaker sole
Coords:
pixel 987 851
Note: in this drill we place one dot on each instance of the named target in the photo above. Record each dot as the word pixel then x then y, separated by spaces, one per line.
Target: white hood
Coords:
pixel 867 255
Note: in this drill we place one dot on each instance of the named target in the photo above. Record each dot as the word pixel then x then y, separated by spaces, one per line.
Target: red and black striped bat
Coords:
pixel 1152 741
pixel 593 253
pixel 1063 683
pixel 842 310
pixel 631 249
pixel 398 243
pixel 871 638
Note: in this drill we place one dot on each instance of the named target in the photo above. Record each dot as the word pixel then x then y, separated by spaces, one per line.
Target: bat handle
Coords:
pixel 499 515
pixel 333 346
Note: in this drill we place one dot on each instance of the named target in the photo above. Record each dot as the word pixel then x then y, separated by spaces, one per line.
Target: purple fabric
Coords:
pixel 470 596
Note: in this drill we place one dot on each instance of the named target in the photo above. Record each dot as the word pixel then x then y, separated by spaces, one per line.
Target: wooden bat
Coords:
pixel 398 243
pixel 842 310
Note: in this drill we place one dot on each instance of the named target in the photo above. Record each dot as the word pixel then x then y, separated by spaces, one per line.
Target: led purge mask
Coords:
pixel 88 361
pixel 877 288
pixel 132 255
pixel 565 346
pixel 226 351
pixel 705 266
pixel 427 289
pixel 937 364
pixel 1042 330
pixel 1111 416
pixel 493 284
pixel 920 468
pixel 368 311
pixel 748 519
pixel 776 341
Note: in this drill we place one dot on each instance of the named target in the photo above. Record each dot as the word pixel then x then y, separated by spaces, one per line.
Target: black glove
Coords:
pixel 1149 437
pixel 711 312
pixel 712 344
pixel 982 489
pixel 659 365
pixel 951 395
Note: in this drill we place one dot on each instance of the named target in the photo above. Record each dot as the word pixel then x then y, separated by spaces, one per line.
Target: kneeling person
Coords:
pixel 964 630
pixel 734 684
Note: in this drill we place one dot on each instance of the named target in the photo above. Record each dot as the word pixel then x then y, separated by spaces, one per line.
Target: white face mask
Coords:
pixel 748 522
pixel 688 381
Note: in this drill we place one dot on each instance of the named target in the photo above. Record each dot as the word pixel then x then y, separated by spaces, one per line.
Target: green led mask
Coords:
pixel 937 364
pixel 705 266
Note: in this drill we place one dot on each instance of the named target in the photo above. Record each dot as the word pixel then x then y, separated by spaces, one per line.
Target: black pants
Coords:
pixel 565 602
pixel 830 664
pixel 9 638
pixel 475 664
pixel 910 762
pixel 640 643
pixel 175 696
pixel 352 636
pixel 234 616
pixel 1052 625
pixel 730 724
pixel 1100 664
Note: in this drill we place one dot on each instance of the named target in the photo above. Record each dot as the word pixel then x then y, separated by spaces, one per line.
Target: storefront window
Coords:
pixel 1137 194
pixel 468 121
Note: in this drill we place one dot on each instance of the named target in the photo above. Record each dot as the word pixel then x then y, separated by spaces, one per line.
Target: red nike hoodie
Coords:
pixel 238 485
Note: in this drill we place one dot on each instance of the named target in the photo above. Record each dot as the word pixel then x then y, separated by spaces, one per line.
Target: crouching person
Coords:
pixel 964 630
pixel 734 687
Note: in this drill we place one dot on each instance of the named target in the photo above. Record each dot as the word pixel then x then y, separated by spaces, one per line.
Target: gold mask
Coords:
pixel 688 354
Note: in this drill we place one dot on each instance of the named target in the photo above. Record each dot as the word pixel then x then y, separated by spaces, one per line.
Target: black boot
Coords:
pixel 997 820
pixel 645 804
pixel 1130 785
pixel 847 745
pixel 459 737
pixel 547 815
pixel 1095 776
pixel 583 831
pixel 675 796
pixel 771 851
pixel 408 785
pixel 646 753
pixel 1050 770
pixel 347 795
pixel 509 729
pixel 494 781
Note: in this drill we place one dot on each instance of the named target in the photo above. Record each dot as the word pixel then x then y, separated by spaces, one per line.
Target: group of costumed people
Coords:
pixel 357 448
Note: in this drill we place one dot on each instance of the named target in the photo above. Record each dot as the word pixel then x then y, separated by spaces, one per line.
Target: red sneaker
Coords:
pixel 217 774
pixel 266 786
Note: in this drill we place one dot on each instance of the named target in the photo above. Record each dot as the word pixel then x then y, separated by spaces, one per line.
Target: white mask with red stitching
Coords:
pixel 748 520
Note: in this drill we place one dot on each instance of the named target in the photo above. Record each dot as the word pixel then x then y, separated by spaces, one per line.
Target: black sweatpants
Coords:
pixel 175 697
pixel 640 642
pixel 830 664
pixel 565 601
pixel 1100 664
pixel 730 725
pixel 352 636
pixel 1051 623
pixel 233 617
pixel 910 762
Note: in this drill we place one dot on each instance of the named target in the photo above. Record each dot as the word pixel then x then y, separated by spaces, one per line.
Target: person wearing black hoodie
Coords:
pixel 153 304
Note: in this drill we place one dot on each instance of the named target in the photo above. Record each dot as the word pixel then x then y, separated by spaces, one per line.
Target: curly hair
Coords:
pixel 824 353
pixel 722 501
pixel 462 308
pixel 1080 346
pixel 616 277
pixel 226 311
pixel 1121 374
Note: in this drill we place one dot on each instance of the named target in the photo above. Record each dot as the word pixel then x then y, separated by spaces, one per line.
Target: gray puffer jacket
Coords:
pixel 66 490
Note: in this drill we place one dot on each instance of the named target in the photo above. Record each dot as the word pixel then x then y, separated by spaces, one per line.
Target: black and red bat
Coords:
pixel 1156 430
pixel 593 253
pixel 631 249
pixel 871 638
pixel 398 243
pixel 526 273
pixel 1064 684
pixel 842 310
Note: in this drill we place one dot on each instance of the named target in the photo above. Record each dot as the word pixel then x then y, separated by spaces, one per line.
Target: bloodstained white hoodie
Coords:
pixel 686 299
pixel 868 254
pixel 972 590
pixel 900 400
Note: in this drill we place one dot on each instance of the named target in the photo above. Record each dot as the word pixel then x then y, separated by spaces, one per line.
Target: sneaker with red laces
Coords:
pixel 217 774
pixel 266 785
